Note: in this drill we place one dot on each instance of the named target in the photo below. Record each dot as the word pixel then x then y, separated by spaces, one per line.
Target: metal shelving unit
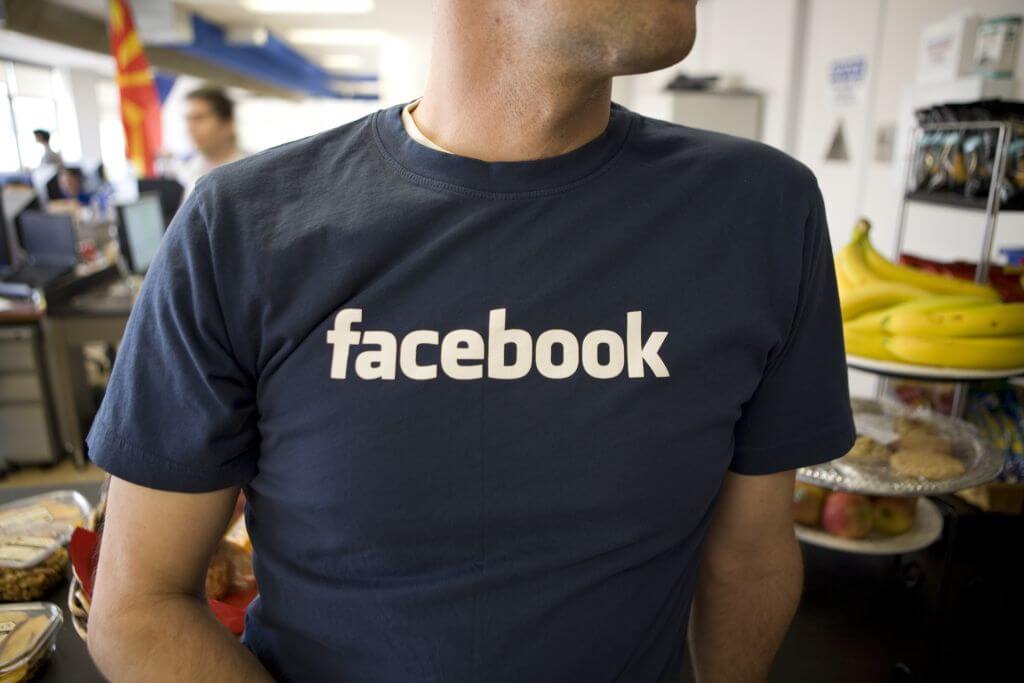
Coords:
pixel 990 205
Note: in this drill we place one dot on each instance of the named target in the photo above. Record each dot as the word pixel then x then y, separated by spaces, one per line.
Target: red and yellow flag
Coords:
pixel 140 104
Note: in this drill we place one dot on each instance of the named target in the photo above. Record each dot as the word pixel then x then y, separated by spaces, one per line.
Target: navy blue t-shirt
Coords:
pixel 482 411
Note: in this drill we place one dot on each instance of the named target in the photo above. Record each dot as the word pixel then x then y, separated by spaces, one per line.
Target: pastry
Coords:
pixel 26 635
pixel 921 441
pixel 867 451
pixel 926 464
pixel 905 426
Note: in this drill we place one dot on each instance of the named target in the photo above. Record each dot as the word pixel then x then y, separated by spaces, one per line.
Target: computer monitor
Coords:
pixel 140 229
pixel 46 184
pixel 6 253
pixel 48 239
pixel 170 191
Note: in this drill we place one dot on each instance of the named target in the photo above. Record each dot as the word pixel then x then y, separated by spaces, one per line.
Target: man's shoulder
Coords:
pixel 722 154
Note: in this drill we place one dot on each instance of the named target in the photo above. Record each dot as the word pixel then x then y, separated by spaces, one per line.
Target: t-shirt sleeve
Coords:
pixel 800 413
pixel 179 412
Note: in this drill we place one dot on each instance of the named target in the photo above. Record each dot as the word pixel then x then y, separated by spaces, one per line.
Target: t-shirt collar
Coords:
pixel 500 177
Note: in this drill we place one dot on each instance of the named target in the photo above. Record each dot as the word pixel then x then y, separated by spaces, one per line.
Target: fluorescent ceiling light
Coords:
pixel 309 6
pixel 343 61
pixel 334 36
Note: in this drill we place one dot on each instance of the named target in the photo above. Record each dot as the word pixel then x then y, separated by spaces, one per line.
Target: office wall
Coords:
pixel 785 49
pixel 887 33
pixel 747 42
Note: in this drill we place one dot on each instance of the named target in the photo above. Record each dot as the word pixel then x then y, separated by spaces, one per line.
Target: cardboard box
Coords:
pixel 947 48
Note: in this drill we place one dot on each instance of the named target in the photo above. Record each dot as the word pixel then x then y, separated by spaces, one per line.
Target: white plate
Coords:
pixel 927 529
pixel 934 372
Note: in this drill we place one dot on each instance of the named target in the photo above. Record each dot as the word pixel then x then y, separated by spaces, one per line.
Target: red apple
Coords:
pixel 847 515
pixel 894 515
pixel 807 500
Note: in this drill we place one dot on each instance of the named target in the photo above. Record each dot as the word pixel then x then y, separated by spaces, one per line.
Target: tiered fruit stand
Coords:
pixel 990 206
pixel 986 468
pixel 935 515
pixel 982 464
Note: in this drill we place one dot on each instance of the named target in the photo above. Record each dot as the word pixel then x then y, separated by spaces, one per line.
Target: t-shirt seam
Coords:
pixel 843 424
pixel 420 179
pixel 108 432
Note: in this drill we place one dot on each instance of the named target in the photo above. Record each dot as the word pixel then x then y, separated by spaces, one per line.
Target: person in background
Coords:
pixel 210 116
pixel 72 184
pixel 50 157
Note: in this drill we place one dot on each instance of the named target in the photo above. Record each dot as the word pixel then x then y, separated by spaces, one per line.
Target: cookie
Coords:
pixel 867 451
pixel 920 441
pixel 926 464
pixel 905 426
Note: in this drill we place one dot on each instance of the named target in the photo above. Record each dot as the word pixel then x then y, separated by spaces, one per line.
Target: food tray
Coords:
pixel 926 530
pixel 28 635
pixel 982 461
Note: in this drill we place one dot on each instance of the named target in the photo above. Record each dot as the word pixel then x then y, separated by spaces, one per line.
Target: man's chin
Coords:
pixel 653 57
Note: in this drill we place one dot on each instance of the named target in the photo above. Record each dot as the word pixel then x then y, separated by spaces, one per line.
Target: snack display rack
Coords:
pixel 991 206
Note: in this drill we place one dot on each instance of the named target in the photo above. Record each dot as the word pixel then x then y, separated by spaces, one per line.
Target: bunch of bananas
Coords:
pixel 894 312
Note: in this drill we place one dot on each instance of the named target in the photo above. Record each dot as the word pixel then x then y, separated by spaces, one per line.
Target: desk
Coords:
pixel 96 315
pixel 71 662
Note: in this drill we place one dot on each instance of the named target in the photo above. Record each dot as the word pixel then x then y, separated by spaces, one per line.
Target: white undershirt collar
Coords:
pixel 414 132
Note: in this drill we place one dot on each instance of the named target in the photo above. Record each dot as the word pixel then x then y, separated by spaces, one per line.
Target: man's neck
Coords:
pixel 488 101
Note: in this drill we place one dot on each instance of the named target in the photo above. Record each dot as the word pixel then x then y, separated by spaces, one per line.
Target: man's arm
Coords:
pixel 149 620
pixel 750 580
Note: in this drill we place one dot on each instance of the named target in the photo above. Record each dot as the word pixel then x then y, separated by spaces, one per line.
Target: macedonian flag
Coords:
pixel 140 105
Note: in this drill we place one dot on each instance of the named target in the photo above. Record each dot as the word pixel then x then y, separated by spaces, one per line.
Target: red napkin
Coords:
pixel 84 547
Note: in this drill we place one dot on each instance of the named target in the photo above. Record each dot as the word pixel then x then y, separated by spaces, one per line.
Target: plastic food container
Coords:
pixel 33 533
pixel 28 634
pixel 31 563
pixel 58 512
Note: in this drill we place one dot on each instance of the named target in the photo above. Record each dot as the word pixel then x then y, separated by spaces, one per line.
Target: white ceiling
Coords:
pixel 389 17
pixel 16 46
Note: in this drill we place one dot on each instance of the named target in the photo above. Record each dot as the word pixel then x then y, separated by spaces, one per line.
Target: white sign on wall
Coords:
pixel 846 81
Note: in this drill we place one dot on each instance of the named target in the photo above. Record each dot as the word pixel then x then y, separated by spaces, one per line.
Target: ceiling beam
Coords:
pixel 49 21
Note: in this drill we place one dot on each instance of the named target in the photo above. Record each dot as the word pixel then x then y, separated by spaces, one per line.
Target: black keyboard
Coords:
pixel 38 275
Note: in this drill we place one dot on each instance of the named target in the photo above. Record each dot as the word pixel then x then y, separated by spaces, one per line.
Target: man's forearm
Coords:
pixel 170 638
pixel 740 614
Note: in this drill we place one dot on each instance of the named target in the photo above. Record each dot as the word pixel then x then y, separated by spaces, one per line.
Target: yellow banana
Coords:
pixel 885 269
pixel 875 321
pixel 841 279
pixel 857 301
pixel 976 353
pixel 866 344
pixel 854 266
pixel 1000 320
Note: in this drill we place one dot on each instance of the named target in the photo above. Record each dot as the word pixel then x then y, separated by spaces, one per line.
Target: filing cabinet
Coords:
pixel 27 425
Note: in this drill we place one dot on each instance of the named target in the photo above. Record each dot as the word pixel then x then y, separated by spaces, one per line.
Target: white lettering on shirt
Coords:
pixel 465 354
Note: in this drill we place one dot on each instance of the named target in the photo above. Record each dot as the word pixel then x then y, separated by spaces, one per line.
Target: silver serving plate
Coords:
pixel 981 460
